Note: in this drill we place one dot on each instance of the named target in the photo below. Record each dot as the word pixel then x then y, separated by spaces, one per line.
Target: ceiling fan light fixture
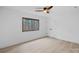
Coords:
pixel 46 11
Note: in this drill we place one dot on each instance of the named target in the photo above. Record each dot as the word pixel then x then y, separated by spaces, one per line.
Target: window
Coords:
pixel 29 24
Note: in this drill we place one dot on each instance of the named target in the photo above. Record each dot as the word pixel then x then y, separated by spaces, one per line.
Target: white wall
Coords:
pixel 64 23
pixel 11 27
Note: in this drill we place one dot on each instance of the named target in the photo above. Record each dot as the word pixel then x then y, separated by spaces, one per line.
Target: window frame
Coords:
pixel 30 25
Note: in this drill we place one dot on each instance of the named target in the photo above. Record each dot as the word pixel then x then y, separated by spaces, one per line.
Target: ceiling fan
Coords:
pixel 45 9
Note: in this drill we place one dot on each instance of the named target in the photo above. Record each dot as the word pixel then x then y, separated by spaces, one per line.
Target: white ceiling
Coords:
pixel 24 8
pixel 29 9
pixel 56 10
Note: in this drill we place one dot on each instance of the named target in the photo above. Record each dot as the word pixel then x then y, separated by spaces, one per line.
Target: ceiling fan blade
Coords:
pixel 50 7
pixel 38 10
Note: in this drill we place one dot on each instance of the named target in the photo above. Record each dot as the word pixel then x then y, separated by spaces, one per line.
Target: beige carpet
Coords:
pixel 44 45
